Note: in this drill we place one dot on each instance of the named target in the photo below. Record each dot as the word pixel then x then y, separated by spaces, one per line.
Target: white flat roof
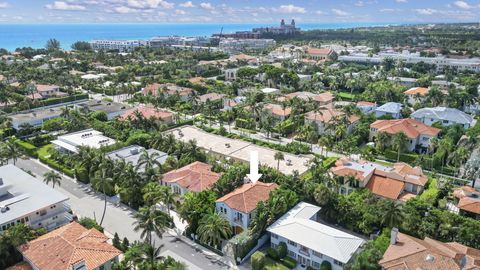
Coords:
pixel 89 137
pixel 298 225
pixel 23 194
pixel 240 150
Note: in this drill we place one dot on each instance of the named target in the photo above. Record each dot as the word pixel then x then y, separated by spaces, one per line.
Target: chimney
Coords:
pixel 393 236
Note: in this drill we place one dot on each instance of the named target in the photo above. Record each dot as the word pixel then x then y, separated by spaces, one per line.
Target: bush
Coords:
pixel 326 265
pixel 28 148
pixel 257 260
pixel 289 262
pixel 329 162
pixel 272 253
pixel 56 166
pixel 282 250
pixel 89 223
pixel 81 174
pixel 53 101
pixel 309 268
pixel 404 157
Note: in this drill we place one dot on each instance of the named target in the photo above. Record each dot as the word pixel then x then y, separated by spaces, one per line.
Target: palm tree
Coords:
pixel 103 183
pixel 150 164
pixel 392 215
pixel 278 157
pixel 12 149
pixel 150 220
pixel 213 228
pixel 382 140
pixel 399 142
pixel 52 177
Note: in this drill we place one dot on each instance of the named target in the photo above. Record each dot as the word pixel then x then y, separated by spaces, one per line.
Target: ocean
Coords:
pixel 13 36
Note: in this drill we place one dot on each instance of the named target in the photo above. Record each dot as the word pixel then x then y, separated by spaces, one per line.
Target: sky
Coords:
pixel 238 11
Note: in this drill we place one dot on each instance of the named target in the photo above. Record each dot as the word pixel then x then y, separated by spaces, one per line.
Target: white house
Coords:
pixel 390 108
pixel 89 137
pixel 238 206
pixel 24 199
pixel 311 242
pixel 443 115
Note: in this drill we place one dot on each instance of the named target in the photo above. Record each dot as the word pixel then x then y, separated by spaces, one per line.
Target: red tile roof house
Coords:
pixel 416 95
pixel 322 98
pixel 212 97
pixel 45 91
pixel 407 252
pixel 238 206
pixel 400 182
pixel 168 89
pixel 468 201
pixel 419 134
pixel 277 111
pixel 195 177
pixel 318 54
pixel 326 116
pixel 148 112
pixel 71 247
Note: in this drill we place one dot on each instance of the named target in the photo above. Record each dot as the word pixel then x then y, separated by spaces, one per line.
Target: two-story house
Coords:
pixel 238 206
pixel 327 116
pixel 71 247
pixel 400 182
pixel 468 201
pixel 444 116
pixel 310 242
pixel 168 90
pixel 195 177
pixel 419 135
pixel 24 199
pixel 416 95
pixel 278 112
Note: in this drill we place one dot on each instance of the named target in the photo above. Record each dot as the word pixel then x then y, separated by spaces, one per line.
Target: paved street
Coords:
pixel 85 202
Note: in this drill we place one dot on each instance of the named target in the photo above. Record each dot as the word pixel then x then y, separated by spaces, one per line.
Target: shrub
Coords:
pixel 272 253
pixel 309 268
pixel 282 250
pixel 90 223
pixel 28 148
pixel 81 174
pixel 329 162
pixel 289 262
pixel 257 260
pixel 56 166
pixel 326 265
pixel 53 101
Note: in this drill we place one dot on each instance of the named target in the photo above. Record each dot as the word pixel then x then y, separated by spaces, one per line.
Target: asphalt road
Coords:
pixel 120 219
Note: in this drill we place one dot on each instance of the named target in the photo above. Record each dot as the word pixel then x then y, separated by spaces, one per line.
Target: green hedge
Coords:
pixel 329 162
pixel 54 101
pixel 56 166
pixel 28 148
pixel 404 157
pixel 289 262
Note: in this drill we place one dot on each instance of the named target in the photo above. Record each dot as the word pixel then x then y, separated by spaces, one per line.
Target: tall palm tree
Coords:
pixel 399 142
pixel 52 177
pixel 149 221
pixel 213 228
pixel 12 149
pixel 150 165
pixel 103 183
pixel 278 157
pixel 392 215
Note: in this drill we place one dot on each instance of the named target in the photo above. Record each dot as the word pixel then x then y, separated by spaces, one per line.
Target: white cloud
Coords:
pixel 150 4
pixel 340 12
pixel 426 11
pixel 60 5
pixel 187 4
pixel 401 1
pixel 124 10
pixel 359 4
pixel 4 5
pixel 387 10
pixel 207 6
pixel 462 5
pixel 319 12
pixel 289 9
pixel 180 12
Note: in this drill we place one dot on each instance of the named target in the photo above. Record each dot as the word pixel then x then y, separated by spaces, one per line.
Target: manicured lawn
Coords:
pixel 346 95
pixel 273 265
pixel 43 152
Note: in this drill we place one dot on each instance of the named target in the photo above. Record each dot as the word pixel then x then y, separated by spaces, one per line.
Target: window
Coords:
pixel 445 121
pixel 337 263
pixel 315 265
pixel 292 243
pixel 43 212
pixel 319 255
pixel 275 236
pixel 274 245
pixel 292 254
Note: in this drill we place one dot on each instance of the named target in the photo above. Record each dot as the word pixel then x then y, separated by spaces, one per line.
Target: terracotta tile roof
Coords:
pixel 411 253
pixel 320 51
pixel 411 127
pixel 147 112
pixel 70 244
pixel 35 96
pixel 277 109
pixel 417 90
pixel 366 103
pixel 246 197
pixel 197 80
pixel 195 177
pixel 385 187
pixel 211 97
pixel 243 56
pixel 326 115
pixel 45 87
pixel 326 97
pixel 469 204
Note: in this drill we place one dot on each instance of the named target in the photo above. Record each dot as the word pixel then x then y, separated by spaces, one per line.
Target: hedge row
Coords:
pixel 28 148
pixel 329 162
pixel 56 166
pixel 54 101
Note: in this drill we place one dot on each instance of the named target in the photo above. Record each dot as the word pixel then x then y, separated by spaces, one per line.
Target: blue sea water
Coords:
pixel 13 36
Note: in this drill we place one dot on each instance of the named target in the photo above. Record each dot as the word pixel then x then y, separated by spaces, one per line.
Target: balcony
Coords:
pixel 304 251
pixel 238 221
